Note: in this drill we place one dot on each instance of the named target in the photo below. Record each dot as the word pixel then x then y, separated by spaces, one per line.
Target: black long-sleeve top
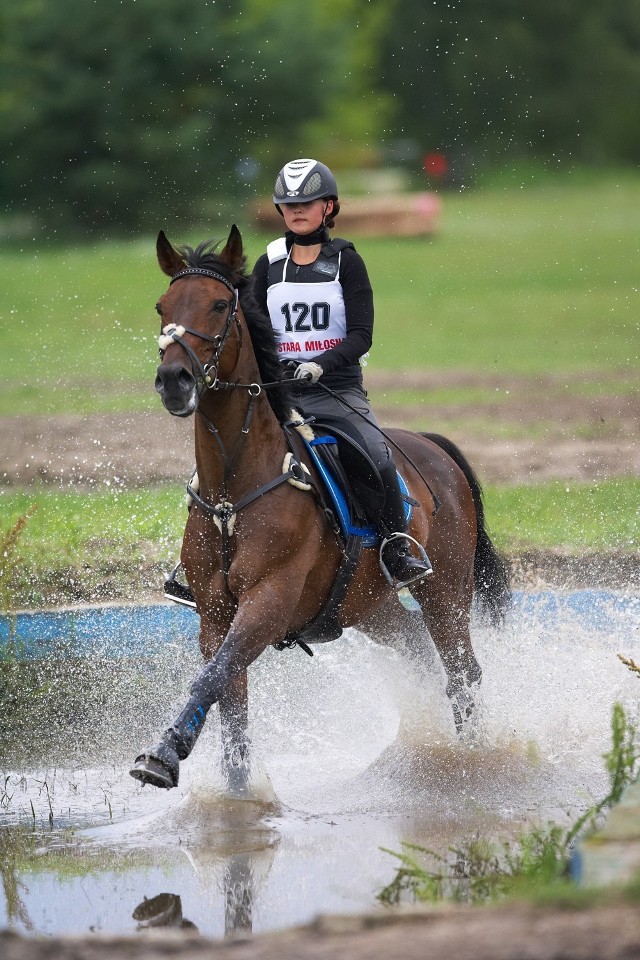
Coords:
pixel 340 364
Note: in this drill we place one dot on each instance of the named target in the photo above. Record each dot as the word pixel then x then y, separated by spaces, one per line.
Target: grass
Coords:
pixel 519 280
pixel 76 544
pixel 536 865
pixel 574 517
pixel 92 545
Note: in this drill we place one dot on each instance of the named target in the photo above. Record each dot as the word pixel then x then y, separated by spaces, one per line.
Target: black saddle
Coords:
pixel 353 467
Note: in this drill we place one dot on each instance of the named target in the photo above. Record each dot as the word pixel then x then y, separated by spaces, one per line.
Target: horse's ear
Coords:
pixel 232 253
pixel 169 259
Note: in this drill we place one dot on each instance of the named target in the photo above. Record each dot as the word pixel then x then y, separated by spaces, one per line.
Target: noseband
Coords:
pixel 205 375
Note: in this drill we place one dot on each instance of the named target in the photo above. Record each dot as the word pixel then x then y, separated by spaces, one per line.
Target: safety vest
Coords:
pixel 307 317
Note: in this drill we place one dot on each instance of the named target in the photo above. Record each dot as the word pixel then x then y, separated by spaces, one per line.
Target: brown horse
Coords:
pixel 259 552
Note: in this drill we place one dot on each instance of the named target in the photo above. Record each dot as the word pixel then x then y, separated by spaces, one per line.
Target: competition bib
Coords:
pixel 308 318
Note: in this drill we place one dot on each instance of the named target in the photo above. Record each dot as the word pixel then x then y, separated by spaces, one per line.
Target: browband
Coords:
pixel 201 272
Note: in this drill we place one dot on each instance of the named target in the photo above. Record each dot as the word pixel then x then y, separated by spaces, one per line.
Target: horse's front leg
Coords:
pixel 258 623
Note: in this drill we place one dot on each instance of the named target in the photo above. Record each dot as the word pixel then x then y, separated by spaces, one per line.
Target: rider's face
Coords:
pixel 304 218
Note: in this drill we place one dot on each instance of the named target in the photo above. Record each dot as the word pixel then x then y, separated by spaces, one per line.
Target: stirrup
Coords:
pixel 178 592
pixel 420 575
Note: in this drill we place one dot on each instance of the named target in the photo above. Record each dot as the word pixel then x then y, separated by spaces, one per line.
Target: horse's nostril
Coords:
pixel 185 380
pixel 174 380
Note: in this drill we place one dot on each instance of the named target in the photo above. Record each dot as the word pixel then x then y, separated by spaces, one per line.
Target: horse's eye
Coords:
pixel 220 306
pixel 158 309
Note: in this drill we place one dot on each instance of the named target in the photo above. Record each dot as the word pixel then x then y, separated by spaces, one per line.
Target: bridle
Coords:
pixel 205 374
pixel 206 378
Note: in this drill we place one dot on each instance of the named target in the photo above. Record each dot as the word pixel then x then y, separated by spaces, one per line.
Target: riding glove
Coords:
pixel 309 372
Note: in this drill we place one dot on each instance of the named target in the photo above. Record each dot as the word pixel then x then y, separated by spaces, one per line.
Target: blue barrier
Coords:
pixel 117 632
pixel 108 632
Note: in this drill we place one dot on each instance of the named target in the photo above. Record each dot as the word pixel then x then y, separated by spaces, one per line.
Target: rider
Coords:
pixel 317 294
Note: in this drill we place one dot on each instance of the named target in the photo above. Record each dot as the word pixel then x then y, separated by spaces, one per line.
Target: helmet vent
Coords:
pixel 279 188
pixel 313 183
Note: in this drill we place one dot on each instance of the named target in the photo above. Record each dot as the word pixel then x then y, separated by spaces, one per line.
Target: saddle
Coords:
pixel 352 480
pixel 357 495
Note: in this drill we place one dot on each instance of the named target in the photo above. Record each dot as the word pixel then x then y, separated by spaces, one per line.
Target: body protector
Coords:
pixel 307 318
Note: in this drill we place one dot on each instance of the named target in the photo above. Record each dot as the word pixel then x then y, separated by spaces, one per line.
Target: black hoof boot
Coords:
pixel 159 766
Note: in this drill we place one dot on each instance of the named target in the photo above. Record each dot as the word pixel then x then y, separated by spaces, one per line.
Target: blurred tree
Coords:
pixel 487 79
pixel 111 117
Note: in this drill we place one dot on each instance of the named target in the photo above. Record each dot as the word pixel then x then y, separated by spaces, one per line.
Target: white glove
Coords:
pixel 309 372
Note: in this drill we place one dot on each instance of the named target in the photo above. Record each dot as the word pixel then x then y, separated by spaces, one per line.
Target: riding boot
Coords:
pixel 176 591
pixel 396 551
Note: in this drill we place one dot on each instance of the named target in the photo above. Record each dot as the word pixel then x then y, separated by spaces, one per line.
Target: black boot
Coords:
pixel 396 556
pixel 177 591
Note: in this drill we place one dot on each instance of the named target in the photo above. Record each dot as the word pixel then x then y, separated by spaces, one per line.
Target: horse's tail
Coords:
pixel 490 571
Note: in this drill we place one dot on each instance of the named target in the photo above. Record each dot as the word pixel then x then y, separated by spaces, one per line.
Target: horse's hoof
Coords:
pixel 158 767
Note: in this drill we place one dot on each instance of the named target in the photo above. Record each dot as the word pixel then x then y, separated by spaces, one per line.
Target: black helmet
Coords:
pixel 300 181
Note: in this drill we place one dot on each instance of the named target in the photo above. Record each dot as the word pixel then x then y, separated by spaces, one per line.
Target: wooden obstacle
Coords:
pixel 402 215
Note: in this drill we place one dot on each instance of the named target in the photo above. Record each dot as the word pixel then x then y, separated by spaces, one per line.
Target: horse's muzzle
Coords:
pixel 177 388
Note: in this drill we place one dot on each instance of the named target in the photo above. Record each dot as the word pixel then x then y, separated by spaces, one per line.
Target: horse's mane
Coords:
pixel 259 325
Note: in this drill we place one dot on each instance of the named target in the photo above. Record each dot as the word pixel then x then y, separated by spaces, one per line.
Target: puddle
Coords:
pixel 355 752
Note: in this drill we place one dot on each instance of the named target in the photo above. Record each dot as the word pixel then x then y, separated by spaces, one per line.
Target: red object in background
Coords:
pixel 435 164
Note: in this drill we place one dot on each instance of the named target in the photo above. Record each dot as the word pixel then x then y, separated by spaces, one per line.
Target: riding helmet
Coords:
pixel 300 181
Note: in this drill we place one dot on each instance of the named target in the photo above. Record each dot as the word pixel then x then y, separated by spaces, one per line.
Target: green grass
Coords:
pixel 574 517
pixel 518 280
pixel 76 542
pixel 66 524
pixel 105 544
pixel 535 866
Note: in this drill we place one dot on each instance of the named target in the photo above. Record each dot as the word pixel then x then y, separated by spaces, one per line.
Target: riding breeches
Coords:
pixel 315 402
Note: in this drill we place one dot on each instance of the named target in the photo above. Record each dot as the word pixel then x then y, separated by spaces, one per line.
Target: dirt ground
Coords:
pixel 514 932
pixel 556 427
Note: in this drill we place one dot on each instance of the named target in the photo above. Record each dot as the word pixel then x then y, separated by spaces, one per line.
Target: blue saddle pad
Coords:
pixel 370 535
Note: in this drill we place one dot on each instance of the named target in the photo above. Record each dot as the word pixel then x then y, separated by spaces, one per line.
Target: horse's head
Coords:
pixel 199 316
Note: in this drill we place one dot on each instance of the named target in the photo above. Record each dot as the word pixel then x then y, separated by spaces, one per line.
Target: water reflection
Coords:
pixel 163 910
pixel 13 846
pixel 217 852
pixel 238 895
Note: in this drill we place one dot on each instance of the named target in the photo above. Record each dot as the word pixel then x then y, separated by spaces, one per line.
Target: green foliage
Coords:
pixel 148 113
pixel 484 82
pixel 10 561
pixel 479 871
pixel 623 766
pixel 171 112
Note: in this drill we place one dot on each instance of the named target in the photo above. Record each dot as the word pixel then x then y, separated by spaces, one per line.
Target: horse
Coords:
pixel 260 551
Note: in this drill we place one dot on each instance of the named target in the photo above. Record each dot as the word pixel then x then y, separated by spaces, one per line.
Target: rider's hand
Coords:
pixel 308 372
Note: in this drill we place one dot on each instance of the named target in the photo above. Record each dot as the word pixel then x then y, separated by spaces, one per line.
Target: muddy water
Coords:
pixel 355 753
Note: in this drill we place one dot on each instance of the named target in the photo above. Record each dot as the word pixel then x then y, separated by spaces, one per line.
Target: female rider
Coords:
pixel 317 294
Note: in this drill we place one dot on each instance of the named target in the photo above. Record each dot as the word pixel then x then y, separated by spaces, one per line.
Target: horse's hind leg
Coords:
pixel 234 721
pixel 447 619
